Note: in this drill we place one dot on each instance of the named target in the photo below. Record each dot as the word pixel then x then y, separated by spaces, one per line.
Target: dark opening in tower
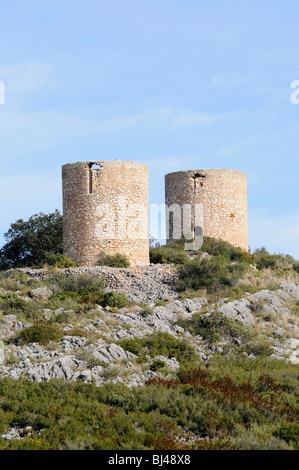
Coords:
pixel 198 180
pixel 94 176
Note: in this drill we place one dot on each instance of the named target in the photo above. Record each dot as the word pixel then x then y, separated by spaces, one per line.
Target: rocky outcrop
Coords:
pixel 238 310
pixel 97 355
pixel 144 284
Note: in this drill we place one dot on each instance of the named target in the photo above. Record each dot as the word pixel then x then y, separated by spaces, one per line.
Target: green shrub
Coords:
pixel 227 405
pixel 263 259
pixel 117 261
pixel 277 261
pixel 134 346
pixel 216 325
pixel 88 357
pixel 11 303
pixel 174 253
pixel 78 283
pixel 161 344
pixel 157 364
pixel 115 299
pixel 289 433
pixel 39 333
pixel 58 260
pixel 77 332
pixel 161 303
pixel 222 248
pixel 211 274
pixel 258 347
pixel 13 280
pixel 147 311
pixel 169 254
pixel 62 317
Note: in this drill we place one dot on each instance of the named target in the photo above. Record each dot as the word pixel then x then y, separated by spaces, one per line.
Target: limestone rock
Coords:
pixel 291 288
pixel 41 293
pixel 238 310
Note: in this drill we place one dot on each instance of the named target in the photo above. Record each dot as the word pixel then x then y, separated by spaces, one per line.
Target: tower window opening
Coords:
pixel 198 180
pixel 94 168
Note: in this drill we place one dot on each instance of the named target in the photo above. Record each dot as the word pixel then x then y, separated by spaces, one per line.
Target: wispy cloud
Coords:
pixel 242 143
pixel 27 131
pixel 27 77
pixel 188 117
pixel 22 131
pixel 165 116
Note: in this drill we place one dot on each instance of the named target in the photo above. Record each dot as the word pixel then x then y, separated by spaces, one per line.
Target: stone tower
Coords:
pixel 223 195
pixel 105 209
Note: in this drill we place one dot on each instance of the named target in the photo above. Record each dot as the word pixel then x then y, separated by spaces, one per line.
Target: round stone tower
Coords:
pixel 223 196
pixel 105 209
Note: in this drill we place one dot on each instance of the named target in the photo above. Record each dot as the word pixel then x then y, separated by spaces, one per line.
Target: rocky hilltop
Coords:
pixel 196 351
pixel 93 339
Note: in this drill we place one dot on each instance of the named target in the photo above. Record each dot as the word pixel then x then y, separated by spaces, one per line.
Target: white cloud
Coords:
pixel 188 117
pixel 27 77
pixel 165 116
pixel 243 143
pixel 151 118
pixel 22 131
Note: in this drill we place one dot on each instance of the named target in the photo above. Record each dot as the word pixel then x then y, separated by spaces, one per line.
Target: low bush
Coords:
pixel 88 357
pixel 117 261
pixel 77 332
pixel 289 433
pixel 223 269
pixel 13 280
pixel 224 249
pixel 39 333
pixel 78 283
pixel 11 303
pixel 115 299
pixel 157 364
pixel 62 317
pixel 169 254
pixel 211 274
pixel 215 326
pixel 58 260
pixel 161 344
pixel 228 405
pixel 258 347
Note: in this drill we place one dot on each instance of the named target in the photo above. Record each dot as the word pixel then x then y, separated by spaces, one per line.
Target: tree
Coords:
pixel 29 242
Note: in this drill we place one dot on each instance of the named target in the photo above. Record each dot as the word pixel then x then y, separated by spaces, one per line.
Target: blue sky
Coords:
pixel 173 84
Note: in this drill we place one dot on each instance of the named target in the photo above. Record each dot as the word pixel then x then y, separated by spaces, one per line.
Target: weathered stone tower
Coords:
pixel 223 194
pixel 105 209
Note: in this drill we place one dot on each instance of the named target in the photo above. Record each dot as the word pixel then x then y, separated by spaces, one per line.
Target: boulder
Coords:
pixel 177 306
pixel 41 293
pixel 116 352
pixel 291 288
pixel 194 305
pixel 238 310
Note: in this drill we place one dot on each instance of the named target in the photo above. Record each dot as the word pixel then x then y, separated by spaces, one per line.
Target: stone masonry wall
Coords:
pixel 223 194
pixel 105 209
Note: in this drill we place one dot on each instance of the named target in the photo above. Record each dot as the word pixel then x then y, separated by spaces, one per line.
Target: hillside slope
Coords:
pixel 227 317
